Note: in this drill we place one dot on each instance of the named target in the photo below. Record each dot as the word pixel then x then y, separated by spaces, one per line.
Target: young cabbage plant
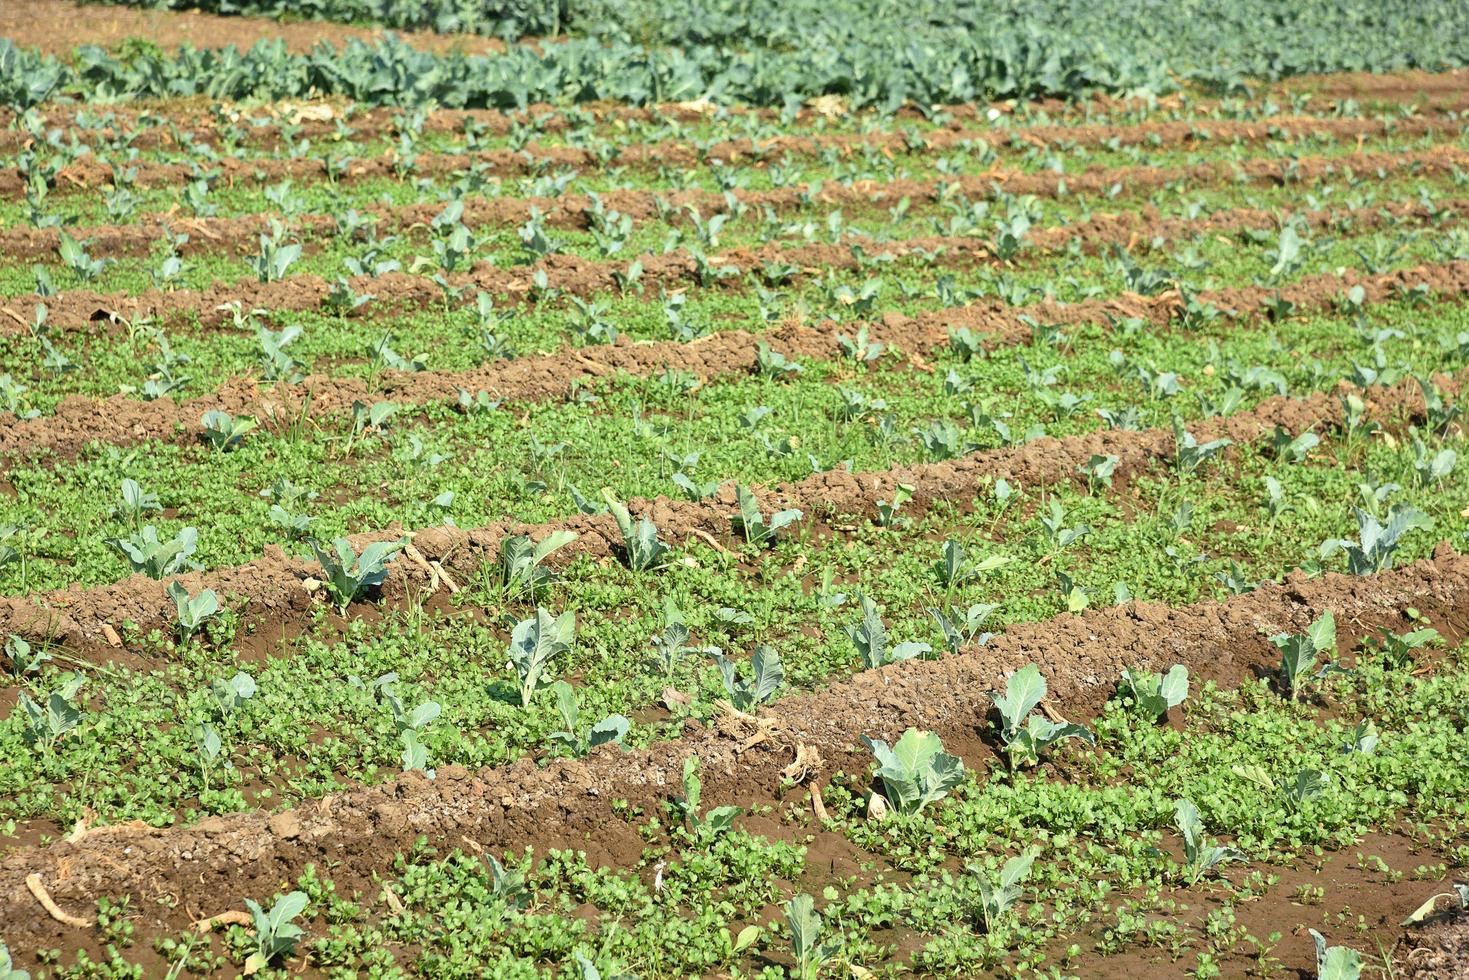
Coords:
pixel 670 647
pixel 230 694
pixel 224 431
pixel 192 611
pixel 811 955
pixel 134 503
pixel 1154 695
pixel 999 893
pixel 1377 542
pixel 574 738
pixel 348 573
pixel 1335 962
pixel 45 725
pixel 1200 856
pixel 522 573
pixel 712 824
pixel 158 559
pixel 1190 453
pixel 962 626
pixel 915 771
pixel 758 529
pixel 640 539
pixel 747 695
pixel 873 643
pixel 1299 651
pixel 23 660
pixel 534 643
pixel 1024 691
pixel 276 933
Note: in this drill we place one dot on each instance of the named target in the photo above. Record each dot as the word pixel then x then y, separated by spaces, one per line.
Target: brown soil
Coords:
pixel 1440 951
pixel 123 420
pixel 277 584
pixel 59 26
pixel 90 174
pixel 239 235
pixel 567 802
pixel 1396 86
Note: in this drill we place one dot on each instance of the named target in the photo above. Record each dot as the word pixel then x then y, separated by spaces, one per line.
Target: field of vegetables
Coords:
pixel 809 490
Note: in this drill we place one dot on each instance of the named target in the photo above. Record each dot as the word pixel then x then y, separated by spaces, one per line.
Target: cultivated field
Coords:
pixel 582 495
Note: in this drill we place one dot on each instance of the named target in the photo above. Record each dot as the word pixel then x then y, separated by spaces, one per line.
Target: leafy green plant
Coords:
pixel 192 611
pixel 224 431
pixel 534 643
pixel 275 932
pixel 1024 735
pixel 155 558
pixel 998 894
pixel 640 539
pixel 758 529
pixel 579 742
pixel 915 771
pixel 873 643
pixel 1299 652
pixel 1200 856
pixel 1376 542
pixel 45 725
pixel 716 821
pixel 230 695
pixel 1460 895
pixel 811 954
pixel 1335 962
pixel 522 572
pixel 135 502
pixel 349 573
pixel 1154 695
pixel 749 694
pixel 1190 453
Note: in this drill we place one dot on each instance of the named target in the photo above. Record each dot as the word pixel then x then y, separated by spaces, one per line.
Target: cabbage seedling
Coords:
pixel 8 969
pixel 578 741
pixel 1335 962
pixel 1376 542
pixel 44 725
pixel 1298 653
pixel 230 694
pixel 534 643
pixel 805 925
pixel 1200 857
pixel 746 695
pixel 192 610
pixel 1154 695
pixel 1025 689
pixel 758 530
pixel 640 540
pixel 713 823
pixel 915 771
pixel 520 561
pixel 224 431
pixel 275 933
pixel 998 894
pixel 873 643
pixel 158 559
pixel 348 573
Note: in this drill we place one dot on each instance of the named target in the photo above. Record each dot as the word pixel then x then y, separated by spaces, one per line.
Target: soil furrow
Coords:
pixel 91 174
pixel 569 802
pixel 123 420
pixel 240 235
pixel 279 586
pixel 76 308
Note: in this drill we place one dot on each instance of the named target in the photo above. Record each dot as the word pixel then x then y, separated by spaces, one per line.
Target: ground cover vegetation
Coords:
pixel 724 497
